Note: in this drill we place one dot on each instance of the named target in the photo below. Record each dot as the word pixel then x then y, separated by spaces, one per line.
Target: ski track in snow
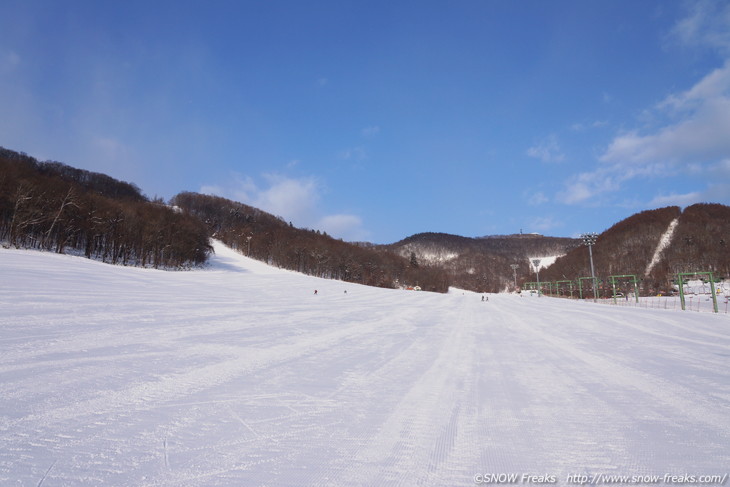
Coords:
pixel 240 375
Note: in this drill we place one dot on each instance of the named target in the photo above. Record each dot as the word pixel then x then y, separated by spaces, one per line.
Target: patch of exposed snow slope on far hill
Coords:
pixel 428 255
pixel 240 375
pixel 545 262
pixel 437 257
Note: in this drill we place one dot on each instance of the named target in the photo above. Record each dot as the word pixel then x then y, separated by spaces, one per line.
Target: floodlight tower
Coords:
pixel 589 239
pixel 536 263
pixel 514 271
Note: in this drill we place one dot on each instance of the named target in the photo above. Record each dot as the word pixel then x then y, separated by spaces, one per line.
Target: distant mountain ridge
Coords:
pixel 483 263
pixel 52 206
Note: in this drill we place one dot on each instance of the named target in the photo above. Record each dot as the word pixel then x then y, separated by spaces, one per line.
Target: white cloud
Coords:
pixel 293 199
pixel 701 136
pixel 347 227
pixel 371 131
pixel 296 200
pixel 697 133
pixel 544 224
pixel 692 138
pixel 213 190
pixel 713 193
pixel 582 127
pixel 713 86
pixel 688 132
pixel 537 199
pixel 354 154
pixel 674 199
pixel 547 150
pixel 578 127
pixel 575 192
pixel 239 188
pixel 584 186
pixel 707 25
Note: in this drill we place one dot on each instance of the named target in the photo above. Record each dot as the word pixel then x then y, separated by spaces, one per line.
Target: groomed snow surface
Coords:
pixel 239 375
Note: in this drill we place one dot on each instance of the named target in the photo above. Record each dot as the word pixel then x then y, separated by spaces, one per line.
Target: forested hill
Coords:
pixel 655 245
pixel 484 263
pixel 52 206
pixel 270 239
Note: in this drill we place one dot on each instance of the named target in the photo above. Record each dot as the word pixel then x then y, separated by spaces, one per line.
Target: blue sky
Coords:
pixel 375 120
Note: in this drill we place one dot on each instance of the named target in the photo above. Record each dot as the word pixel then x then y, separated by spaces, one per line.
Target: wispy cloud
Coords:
pixel 536 199
pixel 585 186
pixel 371 131
pixel 348 227
pixel 582 126
pixel 713 193
pixel 297 200
pixel 353 154
pixel 9 60
pixel 689 135
pixel 545 224
pixel 293 199
pixel 238 188
pixel 696 132
pixel 674 199
pixel 685 133
pixel 705 26
pixel 547 150
pixel 717 190
pixel 700 136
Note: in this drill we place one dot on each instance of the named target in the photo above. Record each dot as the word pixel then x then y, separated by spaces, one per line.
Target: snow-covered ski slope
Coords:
pixel 240 376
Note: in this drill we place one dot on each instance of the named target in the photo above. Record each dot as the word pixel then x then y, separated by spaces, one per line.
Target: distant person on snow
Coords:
pixel 315 291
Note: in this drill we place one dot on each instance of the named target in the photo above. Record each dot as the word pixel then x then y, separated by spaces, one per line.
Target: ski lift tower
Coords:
pixel 589 239
pixel 536 263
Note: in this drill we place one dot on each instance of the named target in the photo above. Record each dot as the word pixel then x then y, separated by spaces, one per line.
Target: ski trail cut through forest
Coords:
pixel 664 242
